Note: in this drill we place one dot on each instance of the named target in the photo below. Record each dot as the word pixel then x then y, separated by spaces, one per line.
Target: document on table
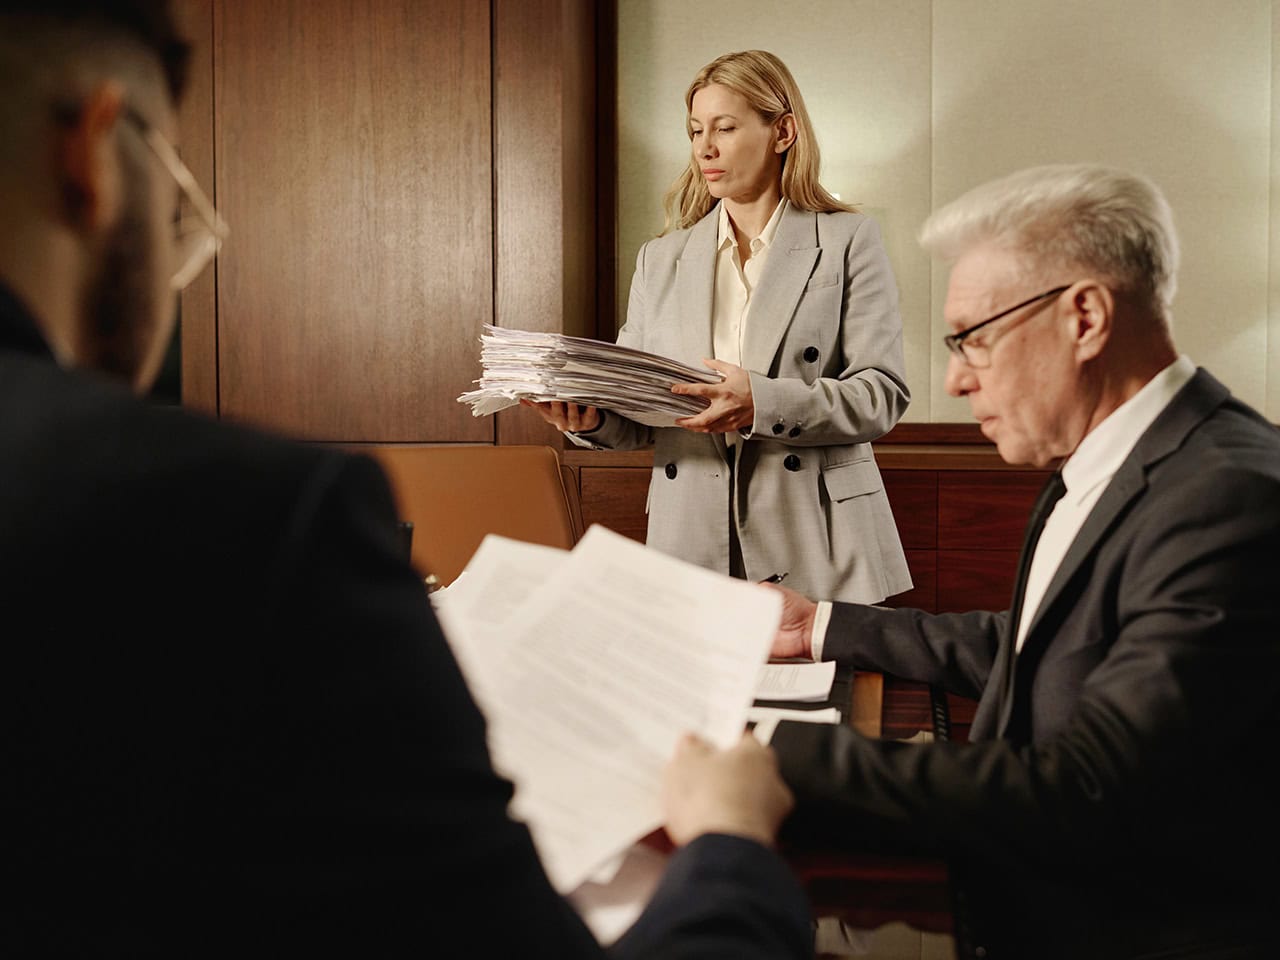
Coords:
pixel 796 681
pixel 589 678
pixel 766 719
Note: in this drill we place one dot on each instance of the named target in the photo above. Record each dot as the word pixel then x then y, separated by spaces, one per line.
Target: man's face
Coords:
pixel 1025 395
pixel 129 303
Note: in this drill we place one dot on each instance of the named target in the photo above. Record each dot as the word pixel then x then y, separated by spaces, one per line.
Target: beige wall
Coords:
pixel 915 101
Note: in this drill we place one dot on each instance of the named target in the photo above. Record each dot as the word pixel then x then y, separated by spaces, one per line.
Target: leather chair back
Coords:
pixel 455 494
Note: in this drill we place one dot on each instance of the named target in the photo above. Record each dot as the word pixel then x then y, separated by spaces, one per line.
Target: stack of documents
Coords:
pixel 523 364
pixel 589 665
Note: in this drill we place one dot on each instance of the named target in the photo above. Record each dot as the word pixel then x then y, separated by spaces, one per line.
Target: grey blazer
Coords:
pixel 1118 795
pixel 823 346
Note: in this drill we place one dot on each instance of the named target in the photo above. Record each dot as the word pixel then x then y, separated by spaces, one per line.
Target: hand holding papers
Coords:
pixel 551 366
pixel 589 679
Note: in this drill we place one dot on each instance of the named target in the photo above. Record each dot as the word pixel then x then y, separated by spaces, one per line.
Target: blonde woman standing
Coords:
pixel 764 276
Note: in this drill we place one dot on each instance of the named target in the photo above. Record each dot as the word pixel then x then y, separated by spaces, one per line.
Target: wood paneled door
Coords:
pixel 395 174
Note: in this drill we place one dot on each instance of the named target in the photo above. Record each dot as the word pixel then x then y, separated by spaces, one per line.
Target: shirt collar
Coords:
pixel 765 240
pixel 1101 452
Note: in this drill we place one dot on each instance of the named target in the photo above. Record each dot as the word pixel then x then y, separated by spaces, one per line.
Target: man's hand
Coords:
pixel 731 403
pixel 795 631
pixel 737 791
pixel 573 417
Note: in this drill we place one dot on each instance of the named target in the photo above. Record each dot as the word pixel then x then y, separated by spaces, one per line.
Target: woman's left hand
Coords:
pixel 731 403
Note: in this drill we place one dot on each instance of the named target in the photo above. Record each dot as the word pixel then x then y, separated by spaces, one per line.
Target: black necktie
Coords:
pixel 1049 496
pixel 1053 490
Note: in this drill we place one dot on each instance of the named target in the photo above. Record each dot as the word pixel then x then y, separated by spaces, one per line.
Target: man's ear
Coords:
pixel 1092 314
pixel 785 133
pixel 88 163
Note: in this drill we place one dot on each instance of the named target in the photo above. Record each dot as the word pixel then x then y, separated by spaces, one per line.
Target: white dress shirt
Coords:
pixel 735 282
pixel 1085 474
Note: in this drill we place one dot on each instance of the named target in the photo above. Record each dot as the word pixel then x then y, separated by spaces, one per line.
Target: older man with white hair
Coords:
pixel 1111 801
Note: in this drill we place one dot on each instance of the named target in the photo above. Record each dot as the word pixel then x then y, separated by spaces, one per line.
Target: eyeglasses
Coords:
pixel 978 355
pixel 198 230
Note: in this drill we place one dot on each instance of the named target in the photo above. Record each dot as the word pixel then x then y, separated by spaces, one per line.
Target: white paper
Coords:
pixel 542 366
pixel 804 682
pixel 497 579
pixel 610 908
pixel 596 674
pixel 766 719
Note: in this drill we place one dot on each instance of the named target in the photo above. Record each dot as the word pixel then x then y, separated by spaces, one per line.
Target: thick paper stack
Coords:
pixel 520 364
pixel 589 664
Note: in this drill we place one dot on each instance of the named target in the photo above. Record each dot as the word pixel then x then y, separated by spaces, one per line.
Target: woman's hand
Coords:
pixel 731 403
pixel 573 417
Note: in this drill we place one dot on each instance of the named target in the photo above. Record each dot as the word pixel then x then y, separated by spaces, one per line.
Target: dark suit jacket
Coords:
pixel 1119 791
pixel 234 726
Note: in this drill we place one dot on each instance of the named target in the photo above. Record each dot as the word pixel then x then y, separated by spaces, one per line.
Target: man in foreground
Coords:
pixel 1114 800
pixel 234 726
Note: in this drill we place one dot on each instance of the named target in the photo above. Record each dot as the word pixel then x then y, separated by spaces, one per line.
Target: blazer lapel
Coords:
pixel 695 288
pixel 695 293
pixel 791 258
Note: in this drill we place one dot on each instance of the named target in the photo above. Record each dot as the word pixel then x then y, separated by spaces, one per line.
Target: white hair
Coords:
pixel 1114 223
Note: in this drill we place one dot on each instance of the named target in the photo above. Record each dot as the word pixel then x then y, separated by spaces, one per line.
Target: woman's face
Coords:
pixel 739 154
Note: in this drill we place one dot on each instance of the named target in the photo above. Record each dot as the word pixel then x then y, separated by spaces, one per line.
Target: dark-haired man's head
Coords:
pixel 88 204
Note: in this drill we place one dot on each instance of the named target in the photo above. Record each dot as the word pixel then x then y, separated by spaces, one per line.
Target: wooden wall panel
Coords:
pixel 985 510
pixel 544 175
pixel 198 328
pixel 975 579
pixel 615 497
pixel 353 167
pixel 913 497
pixel 923 595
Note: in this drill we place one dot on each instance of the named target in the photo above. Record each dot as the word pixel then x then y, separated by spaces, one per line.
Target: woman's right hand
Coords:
pixel 571 417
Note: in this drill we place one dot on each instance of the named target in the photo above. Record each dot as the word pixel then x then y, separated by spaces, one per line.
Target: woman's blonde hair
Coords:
pixel 768 86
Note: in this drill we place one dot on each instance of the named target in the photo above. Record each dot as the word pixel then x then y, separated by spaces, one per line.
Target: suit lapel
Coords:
pixel 1202 394
pixel 791 258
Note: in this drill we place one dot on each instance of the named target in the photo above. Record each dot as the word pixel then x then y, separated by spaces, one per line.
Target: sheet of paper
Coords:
pixel 601 669
pixel 610 907
pixel 498 578
pixel 796 681
pixel 766 719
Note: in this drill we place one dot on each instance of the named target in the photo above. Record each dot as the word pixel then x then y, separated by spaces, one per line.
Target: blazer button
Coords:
pixel 793 432
pixel 811 354
pixel 671 471
pixel 792 462
pixel 778 427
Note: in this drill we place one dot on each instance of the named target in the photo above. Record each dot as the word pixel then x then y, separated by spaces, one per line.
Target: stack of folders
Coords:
pixel 523 364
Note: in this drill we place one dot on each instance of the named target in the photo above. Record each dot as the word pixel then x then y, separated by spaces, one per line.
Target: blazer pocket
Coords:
pixel 856 478
pixel 828 278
